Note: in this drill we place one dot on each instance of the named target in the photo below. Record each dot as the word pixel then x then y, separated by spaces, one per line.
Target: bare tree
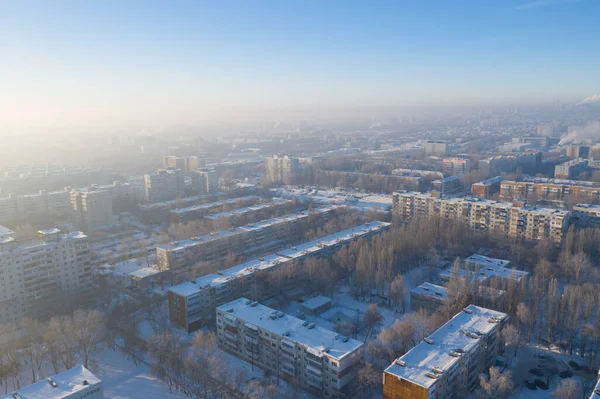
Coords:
pixel 88 327
pixel 497 385
pixel 373 319
pixel 31 341
pixel 568 389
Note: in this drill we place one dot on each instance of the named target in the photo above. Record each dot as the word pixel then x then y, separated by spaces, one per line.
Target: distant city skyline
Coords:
pixel 114 63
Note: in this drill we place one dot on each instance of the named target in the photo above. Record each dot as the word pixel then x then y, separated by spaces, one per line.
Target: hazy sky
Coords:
pixel 109 62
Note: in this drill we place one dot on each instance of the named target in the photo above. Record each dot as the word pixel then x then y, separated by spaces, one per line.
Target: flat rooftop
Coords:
pixel 420 360
pixel 210 205
pixel 319 339
pixel 316 302
pixel 68 383
pixel 487 271
pixel 435 291
pixel 487 261
pixel 267 262
pixel 248 209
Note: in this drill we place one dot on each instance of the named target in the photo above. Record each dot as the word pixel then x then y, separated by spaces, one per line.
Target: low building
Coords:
pixel 75 383
pixel 192 304
pixel 428 297
pixel 448 185
pixel 484 268
pixel 316 305
pixel 319 360
pixel 448 363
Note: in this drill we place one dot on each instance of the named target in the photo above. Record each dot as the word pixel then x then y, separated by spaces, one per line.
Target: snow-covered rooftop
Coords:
pixel 210 205
pixel 487 268
pixel 316 302
pixel 243 211
pixel 435 291
pixel 287 255
pixel 6 232
pixel 63 385
pixel 317 338
pixel 180 245
pixel 417 363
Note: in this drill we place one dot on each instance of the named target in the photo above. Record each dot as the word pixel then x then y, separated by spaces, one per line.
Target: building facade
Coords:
pixel 447 364
pixel 456 166
pixel 319 360
pixel 282 169
pixel 550 190
pixel 570 169
pixel 495 166
pixel 164 185
pixel 92 208
pixel 199 211
pixel 487 188
pixel 205 181
pixel 43 206
pixel 485 215
pixel 37 277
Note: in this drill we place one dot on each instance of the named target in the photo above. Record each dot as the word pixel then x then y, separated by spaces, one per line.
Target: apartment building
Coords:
pixel 24 179
pixel 199 211
pixel 430 174
pixel 496 165
pixel 43 206
pixel 447 364
pixel 431 297
pixel 35 276
pixel 570 169
pixel 370 181
pixel 550 190
pixel 586 215
pixel 205 181
pixel 75 383
pixel 236 217
pixel 192 304
pixel 321 361
pixel 435 148
pixel 92 208
pixel 159 212
pixel 487 188
pixel 484 268
pixel 485 215
pixel 248 239
pixel 186 164
pixel 448 185
pixel 164 185
pixel 456 166
pixel 282 169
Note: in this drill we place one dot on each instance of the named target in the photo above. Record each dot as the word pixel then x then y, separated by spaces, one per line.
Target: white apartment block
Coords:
pixel 237 216
pixel 282 169
pixel 92 207
pixel 43 206
pixel 447 364
pixel 251 238
pixel 485 215
pixel 75 383
pixel 205 181
pixel 164 185
pixel 36 276
pixel 456 166
pixel 192 304
pixel 319 360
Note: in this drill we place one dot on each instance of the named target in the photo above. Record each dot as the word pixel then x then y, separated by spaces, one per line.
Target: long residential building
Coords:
pixel 499 164
pixel 431 297
pixel 36 276
pixel 248 239
pixel 243 215
pixel 550 190
pixel 23 179
pixel 570 169
pixel 159 212
pixel 192 303
pixel 370 181
pixel 484 268
pixel 447 364
pixel 320 360
pixel 43 206
pixel 196 212
pixel 485 215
